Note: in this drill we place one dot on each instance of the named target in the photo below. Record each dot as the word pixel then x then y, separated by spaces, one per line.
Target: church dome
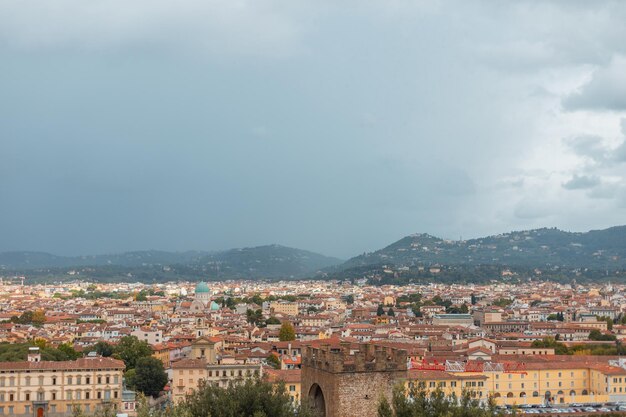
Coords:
pixel 202 287
pixel 214 306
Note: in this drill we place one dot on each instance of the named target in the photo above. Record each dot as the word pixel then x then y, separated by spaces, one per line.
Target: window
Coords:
pixel 78 395
pixel 54 395
pixel 69 380
pixel 99 380
pixel 53 408
pixel 27 409
pixel 108 379
pixel 79 380
pixel 11 397
pixel 292 388
pixel 87 395
pixel 54 380
pixel 87 408
pixel 10 409
pixel 87 380
pixel 114 394
pixel 27 396
pixel 1 410
pixel 68 395
pixel 116 379
pixel 99 395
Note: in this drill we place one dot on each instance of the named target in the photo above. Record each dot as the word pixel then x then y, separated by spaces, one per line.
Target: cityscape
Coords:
pixel 533 347
pixel 312 208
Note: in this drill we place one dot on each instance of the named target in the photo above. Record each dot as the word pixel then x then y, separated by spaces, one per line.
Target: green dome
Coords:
pixel 202 287
pixel 214 306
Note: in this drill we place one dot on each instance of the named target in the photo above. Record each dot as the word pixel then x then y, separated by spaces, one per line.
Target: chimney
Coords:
pixel 33 354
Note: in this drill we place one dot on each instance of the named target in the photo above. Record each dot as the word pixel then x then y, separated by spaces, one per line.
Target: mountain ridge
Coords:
pixel 533 247
pixel 259 261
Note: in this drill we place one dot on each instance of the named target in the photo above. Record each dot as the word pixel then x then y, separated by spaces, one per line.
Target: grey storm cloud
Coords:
pixel 330 126
pixel 605 91
pixel 581 182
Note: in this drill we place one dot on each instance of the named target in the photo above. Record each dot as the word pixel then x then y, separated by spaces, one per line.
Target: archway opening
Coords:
pixel 316 398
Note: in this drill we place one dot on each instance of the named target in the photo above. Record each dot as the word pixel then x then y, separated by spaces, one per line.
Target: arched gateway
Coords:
pixel 316 399
pixel 345 380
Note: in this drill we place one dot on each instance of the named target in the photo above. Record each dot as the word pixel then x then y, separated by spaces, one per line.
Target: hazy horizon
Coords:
pixel 334 128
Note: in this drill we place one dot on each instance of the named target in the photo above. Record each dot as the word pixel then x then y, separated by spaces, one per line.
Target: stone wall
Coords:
pixel 352 379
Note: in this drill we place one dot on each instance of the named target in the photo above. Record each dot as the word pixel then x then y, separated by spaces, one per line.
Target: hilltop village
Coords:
pixel 533 345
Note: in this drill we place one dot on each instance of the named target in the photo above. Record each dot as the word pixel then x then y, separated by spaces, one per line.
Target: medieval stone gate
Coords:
pixel 349 380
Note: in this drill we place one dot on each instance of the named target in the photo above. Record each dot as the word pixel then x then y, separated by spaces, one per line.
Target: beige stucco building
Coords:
pixel 36 388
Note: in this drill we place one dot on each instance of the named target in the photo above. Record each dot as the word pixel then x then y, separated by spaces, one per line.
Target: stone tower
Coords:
pixel 344 382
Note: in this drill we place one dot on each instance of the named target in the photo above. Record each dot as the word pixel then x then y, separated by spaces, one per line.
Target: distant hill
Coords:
pixel 270 261
pixel 27 260
pixel 600 249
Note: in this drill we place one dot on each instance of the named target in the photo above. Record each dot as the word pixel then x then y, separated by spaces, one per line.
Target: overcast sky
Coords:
pixel 334 126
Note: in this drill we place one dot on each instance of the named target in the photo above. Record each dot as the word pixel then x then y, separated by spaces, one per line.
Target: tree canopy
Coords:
pixel 148 376
pixel 420 403
pixel 287 332
pixel 130 349
pixel 248 398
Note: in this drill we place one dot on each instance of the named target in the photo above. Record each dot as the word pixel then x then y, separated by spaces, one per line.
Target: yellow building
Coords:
pixel 39 389
pixel 189 373
pixel 559 380
pixel 204 365
pixel 448 383
pixel 284 307
pixel 292 380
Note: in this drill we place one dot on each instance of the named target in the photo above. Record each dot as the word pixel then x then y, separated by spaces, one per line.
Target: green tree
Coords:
pixel 69 351
pixel 129 378
pixel 273 361
pixel 380 311
pixel 416 402
pixel 391 313
pixel 287 332
pixel 39 318
pixel 150 377
pixel 130 350
pixel 103 348
pixel 596 334
pixel 272 320
pixel 350 299
pixel 249 398
pixel 384 408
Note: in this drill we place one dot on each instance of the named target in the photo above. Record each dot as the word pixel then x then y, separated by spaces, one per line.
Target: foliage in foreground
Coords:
pixel 248 398
pixel 420 403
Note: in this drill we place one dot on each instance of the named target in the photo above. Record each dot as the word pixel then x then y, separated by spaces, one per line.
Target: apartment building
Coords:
pixel 36 388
